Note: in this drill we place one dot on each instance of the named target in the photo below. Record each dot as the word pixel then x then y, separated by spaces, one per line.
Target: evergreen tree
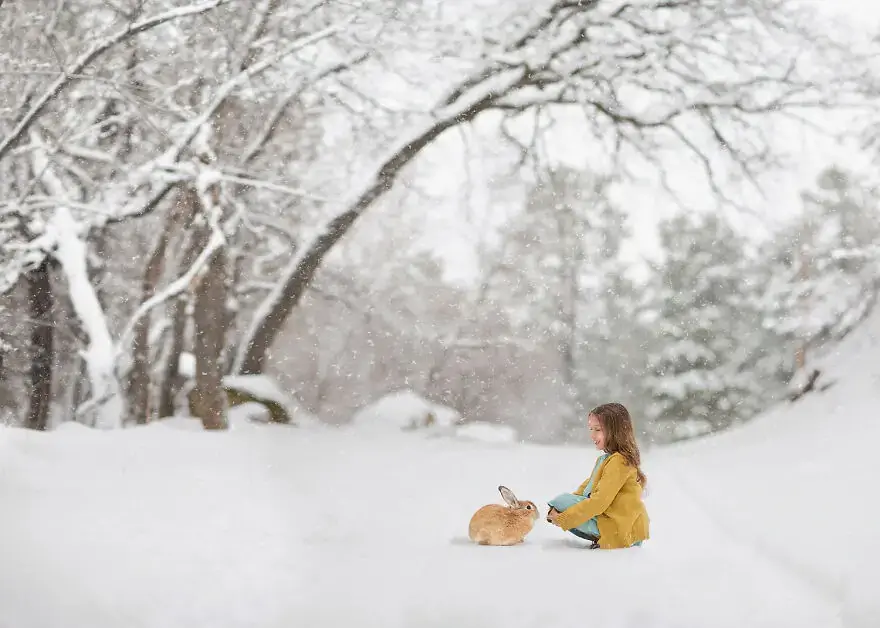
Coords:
pixel 562 274
pixel 824 266
pixel 701 373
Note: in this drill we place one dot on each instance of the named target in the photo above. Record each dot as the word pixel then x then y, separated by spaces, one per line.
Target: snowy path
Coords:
pixel 159 527
pixel 821 584
pixel 406 560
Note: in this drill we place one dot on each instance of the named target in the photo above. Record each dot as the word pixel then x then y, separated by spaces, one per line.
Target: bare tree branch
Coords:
pixel 176 287
pixel 259 142
pixel 95 52
pixel 585 53
pixel 298 274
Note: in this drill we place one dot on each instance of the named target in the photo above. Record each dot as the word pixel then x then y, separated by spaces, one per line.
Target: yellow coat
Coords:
pixel 615 502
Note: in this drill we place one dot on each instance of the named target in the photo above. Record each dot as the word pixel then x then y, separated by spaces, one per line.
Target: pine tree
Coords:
pixel 701 373
pixel 561 271
pixel 824 266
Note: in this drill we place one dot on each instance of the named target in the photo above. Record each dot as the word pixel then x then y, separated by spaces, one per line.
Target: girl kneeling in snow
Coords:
pixel 607 508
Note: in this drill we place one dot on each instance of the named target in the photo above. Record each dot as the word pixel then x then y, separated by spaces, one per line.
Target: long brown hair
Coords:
pixel 619 435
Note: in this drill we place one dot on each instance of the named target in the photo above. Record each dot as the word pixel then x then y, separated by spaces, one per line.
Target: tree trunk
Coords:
pixel 270 318
pixel 40 302
pixel 79 388
pixel 234 272
pixel 211 321
pixel 800 354
pixel 172 382
pixel 139 377
pixel 171 378
pixel 211 318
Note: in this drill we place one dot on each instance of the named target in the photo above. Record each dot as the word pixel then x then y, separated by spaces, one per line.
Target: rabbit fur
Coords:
pixel 494 524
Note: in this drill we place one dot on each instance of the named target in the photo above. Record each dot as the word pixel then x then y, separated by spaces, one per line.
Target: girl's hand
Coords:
pixel 551 516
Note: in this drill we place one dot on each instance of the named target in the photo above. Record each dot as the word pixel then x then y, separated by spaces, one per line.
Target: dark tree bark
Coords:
pixel 139 382
pixel 211 321
pixel 40 300
pixel 172 381
pixel 301 271
pixel 139 376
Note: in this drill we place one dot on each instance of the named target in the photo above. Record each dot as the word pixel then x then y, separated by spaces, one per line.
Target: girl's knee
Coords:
pixel 563 501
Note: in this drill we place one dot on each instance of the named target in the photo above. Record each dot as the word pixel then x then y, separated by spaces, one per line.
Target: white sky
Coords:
pixel 455 218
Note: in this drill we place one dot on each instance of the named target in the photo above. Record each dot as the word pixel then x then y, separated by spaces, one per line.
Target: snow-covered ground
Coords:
pixel 771 525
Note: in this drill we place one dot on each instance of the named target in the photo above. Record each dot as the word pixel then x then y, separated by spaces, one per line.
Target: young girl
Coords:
pixel 607 508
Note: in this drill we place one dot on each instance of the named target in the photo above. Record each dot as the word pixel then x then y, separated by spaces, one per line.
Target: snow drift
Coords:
pixel 404 410
pixel 796 484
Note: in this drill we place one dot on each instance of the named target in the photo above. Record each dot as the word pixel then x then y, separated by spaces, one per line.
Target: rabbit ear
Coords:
pixel 508 496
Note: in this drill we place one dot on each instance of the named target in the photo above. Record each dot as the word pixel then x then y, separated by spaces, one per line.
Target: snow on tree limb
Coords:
pixel 275 187
pixel 299 272
pixel 600 56
pixel 655 74
pixel 176 287
pixel 96 51
pixel 70 250
pixel 262 13
pixel 257 145
pixel 193 127
pixel 127 203
pixel 169 162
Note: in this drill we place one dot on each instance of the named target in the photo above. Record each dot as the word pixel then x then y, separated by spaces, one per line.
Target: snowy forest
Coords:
pixel 351 199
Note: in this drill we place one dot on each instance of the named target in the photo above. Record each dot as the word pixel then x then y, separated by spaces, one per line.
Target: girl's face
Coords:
pixel 596 432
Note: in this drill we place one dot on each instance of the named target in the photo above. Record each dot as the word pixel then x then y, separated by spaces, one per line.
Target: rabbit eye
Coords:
pixel 529 507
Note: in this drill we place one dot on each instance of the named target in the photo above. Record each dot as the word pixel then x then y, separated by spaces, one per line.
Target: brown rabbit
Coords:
pixel 494 524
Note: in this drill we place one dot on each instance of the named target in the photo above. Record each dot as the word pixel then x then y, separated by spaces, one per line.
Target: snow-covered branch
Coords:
pixel 176 287
pixel 167 165
pixel 297 275
pixel 262 138
pixel 275 187
pixel 70 249
pixel 193 127
pixel 640 71
pixel 91 55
